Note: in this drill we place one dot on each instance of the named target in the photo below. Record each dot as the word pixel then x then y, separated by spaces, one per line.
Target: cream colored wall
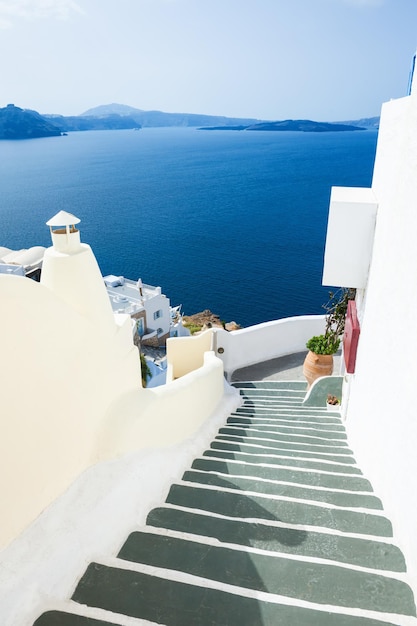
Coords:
pixel 71 384
pixel 164 415
pixel 185 354
pixel 58 373
pixel 381 415
pixel 76 278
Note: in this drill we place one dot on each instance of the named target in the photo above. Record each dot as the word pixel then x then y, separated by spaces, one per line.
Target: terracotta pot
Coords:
pixel 317 365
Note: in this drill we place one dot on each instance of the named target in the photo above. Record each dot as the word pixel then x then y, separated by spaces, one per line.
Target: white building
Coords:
pixel 371 245
pixel 26 262
pixel 145 304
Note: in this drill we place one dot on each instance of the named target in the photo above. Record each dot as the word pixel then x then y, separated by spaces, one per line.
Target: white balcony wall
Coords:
pixel 270 340
pixel 350 234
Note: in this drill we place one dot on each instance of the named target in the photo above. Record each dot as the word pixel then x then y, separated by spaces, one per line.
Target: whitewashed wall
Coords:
pixel 382 410
pixel 270 340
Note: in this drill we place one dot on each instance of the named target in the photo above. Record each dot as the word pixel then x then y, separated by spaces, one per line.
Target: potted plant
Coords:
pixel 332 402
pixel 319 359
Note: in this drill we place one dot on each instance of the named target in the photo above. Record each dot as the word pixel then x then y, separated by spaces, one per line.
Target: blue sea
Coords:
pixel 230 221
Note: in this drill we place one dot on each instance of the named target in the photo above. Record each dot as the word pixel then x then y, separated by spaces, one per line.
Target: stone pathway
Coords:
pixel 274 524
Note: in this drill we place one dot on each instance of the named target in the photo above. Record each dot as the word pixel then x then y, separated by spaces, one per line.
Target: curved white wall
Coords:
pixel 266 341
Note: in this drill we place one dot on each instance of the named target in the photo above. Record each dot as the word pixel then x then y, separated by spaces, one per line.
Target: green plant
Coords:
pixel 333 400
pixel 336 309
pixel 193 328
pixel 323 344
pixel 145 370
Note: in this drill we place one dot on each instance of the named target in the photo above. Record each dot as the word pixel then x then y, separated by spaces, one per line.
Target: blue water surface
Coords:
pixel 231 221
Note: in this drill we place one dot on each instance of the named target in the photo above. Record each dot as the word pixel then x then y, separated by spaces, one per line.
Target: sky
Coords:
pixel 326 60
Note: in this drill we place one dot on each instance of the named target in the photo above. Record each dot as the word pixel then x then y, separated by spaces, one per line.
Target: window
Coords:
pixel 157 314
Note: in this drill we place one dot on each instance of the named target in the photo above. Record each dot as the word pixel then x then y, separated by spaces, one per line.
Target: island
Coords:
pixel 16 123
pixel 305 126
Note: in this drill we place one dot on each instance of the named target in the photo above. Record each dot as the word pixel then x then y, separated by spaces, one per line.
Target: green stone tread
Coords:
pixel 289 512
pixel 311 582
pixel 270 384
pixel 287 430
pixel 315 430
pixel 315 479
pixel 260 448
pixel 356 551
pixel 289 445
pixel 61 618
pixel 282 436
pixel 288 462
pixel 301 412
pixel 317 424
pixel 274 393
pixel 338 498
pixel 139 595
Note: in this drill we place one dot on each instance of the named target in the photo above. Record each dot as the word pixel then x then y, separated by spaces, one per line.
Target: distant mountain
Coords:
pixel 91 122
pixel 111 109
pixel 159 118
pixel 305 126
pixel 16 123
pixel 364 122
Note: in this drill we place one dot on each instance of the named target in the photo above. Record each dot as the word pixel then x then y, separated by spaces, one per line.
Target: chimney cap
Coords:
pixel 63 219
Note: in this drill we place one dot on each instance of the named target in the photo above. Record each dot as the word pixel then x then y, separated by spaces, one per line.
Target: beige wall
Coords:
pixel 58 376
pixel 71 390
pixel 185 354
pixel 165 415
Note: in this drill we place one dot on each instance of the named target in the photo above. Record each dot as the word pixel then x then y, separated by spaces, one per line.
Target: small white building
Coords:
pixel 25 262
pixel 145 304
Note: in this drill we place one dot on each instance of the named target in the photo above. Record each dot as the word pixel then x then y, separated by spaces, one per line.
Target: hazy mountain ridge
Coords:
pixel 17 123
pixel 160 118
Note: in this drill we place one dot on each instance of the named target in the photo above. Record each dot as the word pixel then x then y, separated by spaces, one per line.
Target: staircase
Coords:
pixel 273 525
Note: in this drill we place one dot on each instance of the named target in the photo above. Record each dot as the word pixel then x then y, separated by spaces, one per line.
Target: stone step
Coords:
pixel 287 434
pixel 285 444
pixel 173 602
pixel 315 582
pixel 301 412
pixel 262 449
pixel 272 394
pixel 63 618
pixel 283 474
pixel 285 461
pixel 272 384
pixel 294 419
pixel 281 539
pixel 337 498
pixel 276 404
pixel 285 425
pixel 280 510
pixel 273 525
